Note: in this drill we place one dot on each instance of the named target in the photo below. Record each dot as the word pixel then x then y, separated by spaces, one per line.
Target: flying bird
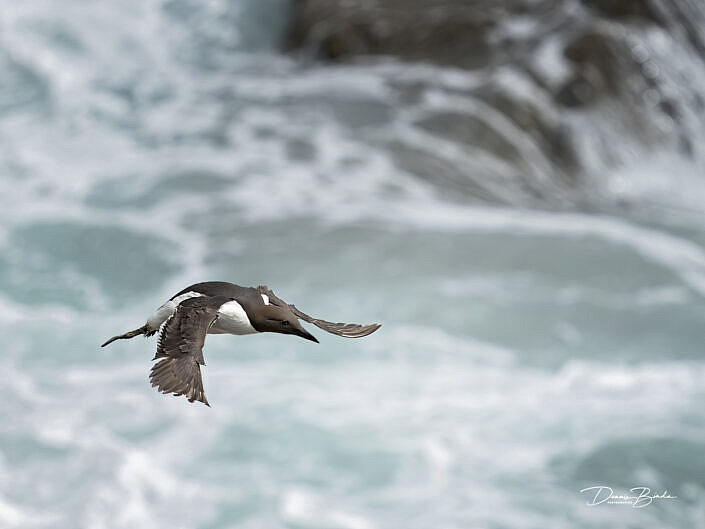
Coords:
pixel 217 307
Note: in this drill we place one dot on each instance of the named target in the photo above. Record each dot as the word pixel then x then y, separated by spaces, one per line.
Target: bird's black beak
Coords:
pixel 305 334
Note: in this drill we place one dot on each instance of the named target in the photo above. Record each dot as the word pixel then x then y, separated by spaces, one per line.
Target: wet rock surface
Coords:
pixel 570 77
pixel 440 31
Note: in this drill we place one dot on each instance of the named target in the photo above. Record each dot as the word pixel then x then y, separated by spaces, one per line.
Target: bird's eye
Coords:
pixel 285 322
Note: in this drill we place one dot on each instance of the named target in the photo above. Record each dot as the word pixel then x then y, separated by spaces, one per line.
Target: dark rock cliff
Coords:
pixel 599 68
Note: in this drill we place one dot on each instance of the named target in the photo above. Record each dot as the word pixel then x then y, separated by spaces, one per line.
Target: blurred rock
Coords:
pixel 551 135
pixel 576 81
pixel 601 60
pixel 442 31
pixel 637 9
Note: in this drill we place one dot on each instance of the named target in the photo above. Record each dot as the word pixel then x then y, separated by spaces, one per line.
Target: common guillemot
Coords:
pixel 217 307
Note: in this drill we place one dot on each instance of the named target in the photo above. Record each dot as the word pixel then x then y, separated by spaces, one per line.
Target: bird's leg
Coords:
pixel 142 330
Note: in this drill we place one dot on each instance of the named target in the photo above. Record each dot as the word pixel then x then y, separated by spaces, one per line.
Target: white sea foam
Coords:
pixel 303 507
pixel 452 409
pixel 490 379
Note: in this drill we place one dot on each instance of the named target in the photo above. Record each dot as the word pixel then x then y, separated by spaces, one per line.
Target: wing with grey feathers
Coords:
pixel 346 330
pixel 181 348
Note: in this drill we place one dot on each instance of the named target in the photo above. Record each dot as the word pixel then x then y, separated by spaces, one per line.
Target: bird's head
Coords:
pixel 277 316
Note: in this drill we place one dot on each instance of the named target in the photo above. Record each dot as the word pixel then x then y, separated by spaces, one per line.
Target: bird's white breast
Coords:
pixel 232 319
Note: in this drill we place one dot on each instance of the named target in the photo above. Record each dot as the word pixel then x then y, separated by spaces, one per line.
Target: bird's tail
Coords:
pixel 142 330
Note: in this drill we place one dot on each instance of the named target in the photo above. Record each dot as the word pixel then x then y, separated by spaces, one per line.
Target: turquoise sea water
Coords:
pixel 525 354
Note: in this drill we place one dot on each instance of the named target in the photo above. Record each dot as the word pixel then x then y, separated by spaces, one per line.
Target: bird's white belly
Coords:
pixel 232 319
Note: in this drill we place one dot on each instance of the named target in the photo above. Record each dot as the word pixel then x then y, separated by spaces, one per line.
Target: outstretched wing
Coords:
pixel 180 348
pixel 346 330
